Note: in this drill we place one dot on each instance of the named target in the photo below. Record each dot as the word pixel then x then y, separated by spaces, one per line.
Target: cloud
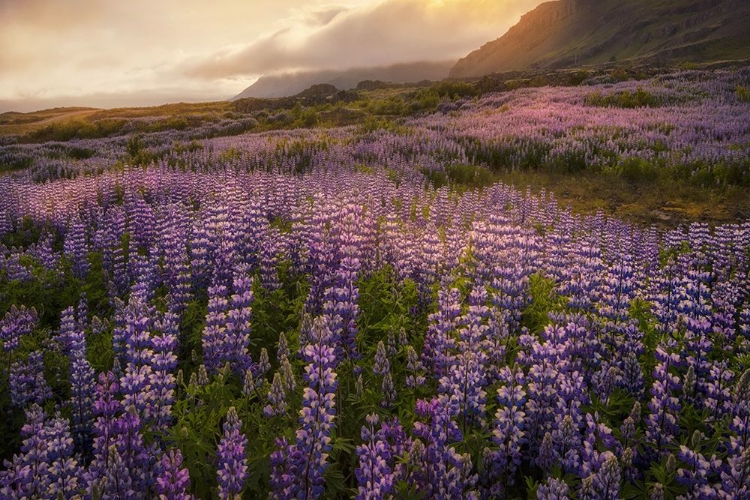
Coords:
pixel 96 48
pixel 380 33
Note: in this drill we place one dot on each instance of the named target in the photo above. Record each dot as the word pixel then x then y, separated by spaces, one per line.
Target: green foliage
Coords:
pixel 743 94
pixel 637 169
pixel 544 300
pixel 641 98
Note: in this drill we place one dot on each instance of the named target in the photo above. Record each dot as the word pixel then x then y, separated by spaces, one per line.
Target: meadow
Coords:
pixel 363 299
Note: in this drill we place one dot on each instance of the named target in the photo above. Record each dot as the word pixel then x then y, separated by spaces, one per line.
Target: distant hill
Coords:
pixel 285 85
pixel 568 33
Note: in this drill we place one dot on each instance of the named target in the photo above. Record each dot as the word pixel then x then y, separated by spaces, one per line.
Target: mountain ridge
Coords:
pixel 567 33
pixel 290 84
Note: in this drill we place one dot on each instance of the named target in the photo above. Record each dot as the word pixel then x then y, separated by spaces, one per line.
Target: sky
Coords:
pixel 110 53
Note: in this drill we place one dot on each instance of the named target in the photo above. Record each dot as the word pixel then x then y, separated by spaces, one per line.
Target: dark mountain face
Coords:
pixel 567 33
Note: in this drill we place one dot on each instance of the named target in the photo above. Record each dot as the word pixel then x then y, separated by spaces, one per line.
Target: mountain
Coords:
pixel 568 33
pixel 290 84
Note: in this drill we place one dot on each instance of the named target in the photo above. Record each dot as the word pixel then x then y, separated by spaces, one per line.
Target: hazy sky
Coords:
pixel 141 52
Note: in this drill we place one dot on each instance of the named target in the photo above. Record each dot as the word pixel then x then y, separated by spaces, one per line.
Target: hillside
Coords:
pixel 290 84
pixel 567 33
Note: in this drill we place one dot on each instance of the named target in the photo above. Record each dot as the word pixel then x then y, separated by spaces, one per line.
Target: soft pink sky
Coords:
pixel 142 52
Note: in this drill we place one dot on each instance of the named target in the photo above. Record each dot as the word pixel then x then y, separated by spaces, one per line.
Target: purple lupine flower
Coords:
pixel 463 388
pixel 736 482
pixel 264 364
pixel 388 390
pixel 236 339
pixel 299 469
pixel 374 476
pixel 106 409
pixel 438 342
pixel 16 323
pixel 162 381
pixel 76 248
pixel 607 480
pixel 135 457
pixel 414 378
pixel 283 348
pixel 27 476
pixel 213 333
pixel 172 481
pixel 276 398
pixel 248 384
pixel 27 382
pixel 444 473
pixel 287 375
pixel 65 474
pixel 662 421
pixel 552 489
pixel 382 365
pixel 82 393
pixel 71 338
pixel 232 470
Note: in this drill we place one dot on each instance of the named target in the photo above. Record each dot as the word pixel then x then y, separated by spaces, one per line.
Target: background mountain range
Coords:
pixel 564 34
pixel 284 85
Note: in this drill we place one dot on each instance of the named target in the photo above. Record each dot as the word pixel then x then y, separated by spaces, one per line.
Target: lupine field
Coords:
pixel 362 312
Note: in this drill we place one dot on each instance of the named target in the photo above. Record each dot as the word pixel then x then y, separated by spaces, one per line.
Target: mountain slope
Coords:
pixel 567 33
pixel 292 84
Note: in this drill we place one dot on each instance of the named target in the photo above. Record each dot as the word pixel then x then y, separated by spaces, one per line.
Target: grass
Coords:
pixel 665 204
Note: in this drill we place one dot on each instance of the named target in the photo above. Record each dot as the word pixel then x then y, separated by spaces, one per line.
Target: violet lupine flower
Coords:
pixel 552 489
pixel 106 409
pixel 136 458
pixel 388 390
pixel 415 377
pixel 694 476
pixel 374 476
pixel 70 337
pixel 444 473
pixel 283 348
pixel 264 364
pixel 382 365
pixel 509 433
pixel 172 481
pixel 438 341
pixel 607 480
pixel 82 380
pixel 237 334
pixel 214 331
pixel 269 260
pixel 27 476
pixel 340 305
pixel 65 474
pixel 27 382
pixel 232 470
pixel 135 383
pixel 16 323
pixel 299 469
pixel 287 375
pixel 46 467
pixel 463 389
pixel 76 248
pixel 276 398
pixel 162 380
pixel 736 481
pixel 662 421
pixel 248 384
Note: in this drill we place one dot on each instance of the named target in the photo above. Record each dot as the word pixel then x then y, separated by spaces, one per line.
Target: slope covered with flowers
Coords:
pixel 308 314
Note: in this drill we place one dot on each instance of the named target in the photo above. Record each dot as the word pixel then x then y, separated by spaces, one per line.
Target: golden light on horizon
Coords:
pixel 55 53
